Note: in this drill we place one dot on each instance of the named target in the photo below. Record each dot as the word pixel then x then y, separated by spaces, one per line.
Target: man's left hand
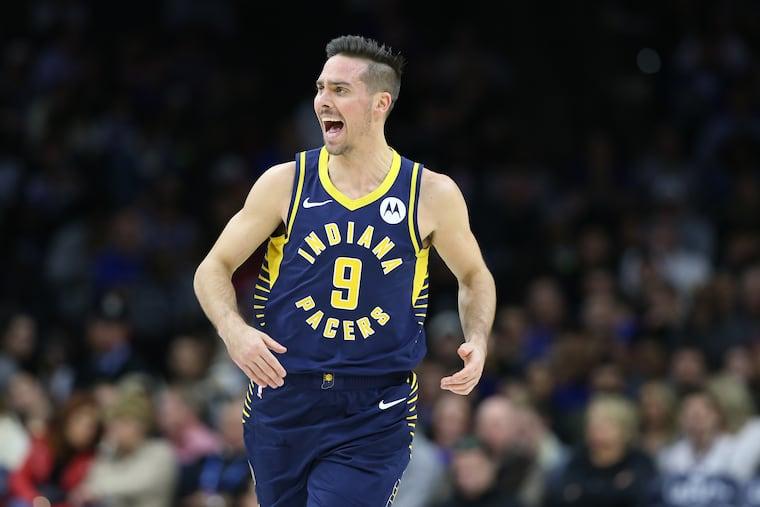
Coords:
pixel 463 381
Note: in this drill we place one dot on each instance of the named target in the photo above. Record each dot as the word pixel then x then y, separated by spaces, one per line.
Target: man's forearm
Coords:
pixel 216 295
pixel 477 305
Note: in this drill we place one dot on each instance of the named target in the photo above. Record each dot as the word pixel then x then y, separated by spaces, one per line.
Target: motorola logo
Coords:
pixel 392 210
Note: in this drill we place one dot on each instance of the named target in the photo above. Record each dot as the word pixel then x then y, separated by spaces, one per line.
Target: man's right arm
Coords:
pixel 264 210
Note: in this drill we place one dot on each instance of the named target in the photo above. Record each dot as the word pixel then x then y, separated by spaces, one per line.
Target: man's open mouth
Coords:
pixel 333 126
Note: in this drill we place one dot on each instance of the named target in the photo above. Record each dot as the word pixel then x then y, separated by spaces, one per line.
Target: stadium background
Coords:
pixel 609 156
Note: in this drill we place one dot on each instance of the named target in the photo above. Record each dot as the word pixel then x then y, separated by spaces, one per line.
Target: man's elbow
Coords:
pixel 488 280
pixel 202 272
pixel 198 277
pixel 478 277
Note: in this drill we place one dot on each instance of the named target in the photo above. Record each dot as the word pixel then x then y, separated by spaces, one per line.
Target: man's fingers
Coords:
pixel 271 374
pixel 453 383
pixel 465 373
pixel 257 378
pixel 462 376
pixel 264 379
pixel 451 380
pixel 274 364
pixel 271 377
pixel 462 382
pixel 272 344
pixel 252 375
pixel 462 388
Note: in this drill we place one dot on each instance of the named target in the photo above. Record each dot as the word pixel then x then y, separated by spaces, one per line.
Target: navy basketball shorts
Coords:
pixel 326 440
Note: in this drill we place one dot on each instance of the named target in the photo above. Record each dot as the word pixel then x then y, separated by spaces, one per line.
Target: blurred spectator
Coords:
pixel 15 445
pixel 688 369
pixel 524 451
pixel 572 358
pixel 221 478
pixel 130 468
pixel 540 385
pixel 699 468
pixel 657 407
pixel 679 265
pixel 475 478
pixel 450 422
pixel 664 312
pixel 59 460
pixel 609 470
pixel 704 447
pixel 445 336
pixel 546 306
pixel 189 368
pixel 56 368
pixel 608 378
pixel 112 355
pixel 17 348
pixel 189 360
pixel 713 325
pixel 429 374
pixel 28 399
pixel 741 421
pixel 120 261
pixel 179 419
pixel 505 353
pixel 423 480
pixel 607 322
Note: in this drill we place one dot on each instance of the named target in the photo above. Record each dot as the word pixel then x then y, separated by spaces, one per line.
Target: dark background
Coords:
pixel 609 153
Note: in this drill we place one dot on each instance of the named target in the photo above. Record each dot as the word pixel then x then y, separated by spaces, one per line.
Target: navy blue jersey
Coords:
pixel 344 288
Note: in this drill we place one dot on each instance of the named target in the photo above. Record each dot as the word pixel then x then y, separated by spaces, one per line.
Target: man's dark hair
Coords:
pixel 384 68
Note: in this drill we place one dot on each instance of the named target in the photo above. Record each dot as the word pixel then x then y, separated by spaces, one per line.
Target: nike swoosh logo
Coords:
pixel 384 406
pixel 307 204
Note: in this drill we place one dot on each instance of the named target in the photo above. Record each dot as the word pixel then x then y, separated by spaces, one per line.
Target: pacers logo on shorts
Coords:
pixel 392 210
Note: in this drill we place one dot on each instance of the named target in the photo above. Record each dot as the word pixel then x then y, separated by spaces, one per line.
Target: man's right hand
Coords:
pixel 251 350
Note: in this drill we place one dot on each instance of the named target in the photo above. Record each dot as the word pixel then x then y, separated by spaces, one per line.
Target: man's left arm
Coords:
pixel 455 243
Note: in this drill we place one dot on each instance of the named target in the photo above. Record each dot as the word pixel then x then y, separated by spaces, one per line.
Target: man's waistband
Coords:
pixel 329 380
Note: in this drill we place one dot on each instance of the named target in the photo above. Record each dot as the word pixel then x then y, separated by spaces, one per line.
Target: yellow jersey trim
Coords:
pixel 410 215
pixel 274 257
pixel 420 274
pixel 299 188
pixel 354 204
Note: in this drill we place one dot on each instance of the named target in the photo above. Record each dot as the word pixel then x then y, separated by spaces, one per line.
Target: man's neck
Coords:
pixel 364 165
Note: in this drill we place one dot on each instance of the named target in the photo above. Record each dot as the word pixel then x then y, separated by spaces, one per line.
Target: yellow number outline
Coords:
pixel 345 295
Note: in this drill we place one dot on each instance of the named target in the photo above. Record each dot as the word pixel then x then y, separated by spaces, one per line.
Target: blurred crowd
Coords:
pixel 610 156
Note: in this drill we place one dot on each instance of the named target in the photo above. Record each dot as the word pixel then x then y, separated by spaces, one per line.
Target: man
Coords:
pixel 342 295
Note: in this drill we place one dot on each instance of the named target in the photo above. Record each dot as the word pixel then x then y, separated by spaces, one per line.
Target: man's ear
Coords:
pixel 383 101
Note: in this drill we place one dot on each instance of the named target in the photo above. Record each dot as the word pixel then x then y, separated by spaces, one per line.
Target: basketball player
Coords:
pixel 342 296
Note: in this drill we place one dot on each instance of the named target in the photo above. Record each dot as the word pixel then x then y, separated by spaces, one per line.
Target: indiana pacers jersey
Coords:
pixel 344 288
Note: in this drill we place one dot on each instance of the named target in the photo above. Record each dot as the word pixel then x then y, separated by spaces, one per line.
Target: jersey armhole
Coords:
pixel 414 195
pixel 295 197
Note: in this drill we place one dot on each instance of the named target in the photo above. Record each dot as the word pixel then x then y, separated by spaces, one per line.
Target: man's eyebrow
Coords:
pixel 333 83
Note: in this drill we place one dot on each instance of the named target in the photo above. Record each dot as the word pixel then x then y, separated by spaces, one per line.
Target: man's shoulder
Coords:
pixel 278 176
pixel 285 171
pixel 437 184
pixel 437 190
pixel 281 170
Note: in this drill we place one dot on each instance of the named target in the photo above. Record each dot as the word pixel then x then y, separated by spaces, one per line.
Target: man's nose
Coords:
pixel 323 105
pixel 323 101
